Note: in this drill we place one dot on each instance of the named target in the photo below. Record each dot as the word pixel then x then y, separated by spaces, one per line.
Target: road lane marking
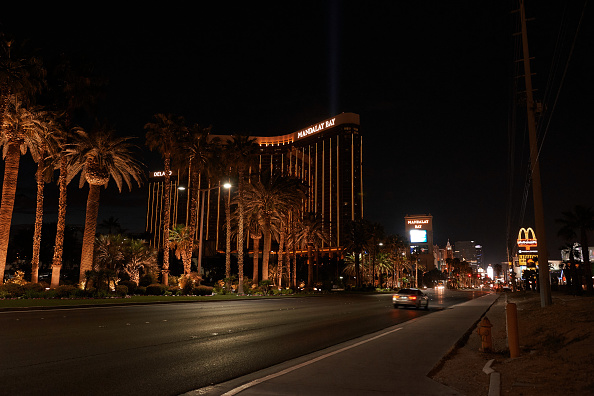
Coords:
pixel 243 387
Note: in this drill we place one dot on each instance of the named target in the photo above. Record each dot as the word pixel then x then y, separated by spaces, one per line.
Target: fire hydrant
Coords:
pixel 484 330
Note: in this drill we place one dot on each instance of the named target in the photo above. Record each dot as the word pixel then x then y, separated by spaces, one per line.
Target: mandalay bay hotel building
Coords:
pixel 326 155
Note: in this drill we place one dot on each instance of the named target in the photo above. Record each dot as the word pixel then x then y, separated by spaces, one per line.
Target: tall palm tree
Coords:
pixel 201 157
pixel 61 162
pixel 21 129
pixel 181 239
pixel 581 221
pixel 163 134
pixel 46 143
pixel 99 157
pixel 240 154
pixel 70 91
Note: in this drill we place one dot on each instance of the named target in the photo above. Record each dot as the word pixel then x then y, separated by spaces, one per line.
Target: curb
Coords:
pixel 494 379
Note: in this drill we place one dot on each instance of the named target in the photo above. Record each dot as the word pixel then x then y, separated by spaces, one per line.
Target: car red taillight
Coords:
pixel 412 297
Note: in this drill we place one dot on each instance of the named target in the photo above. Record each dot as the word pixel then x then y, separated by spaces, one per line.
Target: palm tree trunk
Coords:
pixel 309 265
pixel 294 273
pixel 240 234
pixel 11 172
pixel 86 259
pixel 317 265
pixel 266 254
pixel 357 270
pixel 187 260
pixel 38 220
pixel 166 221
pixel 256 258
pixel 194 193
pixel 59 244
pixel 281 258
pixel 228 243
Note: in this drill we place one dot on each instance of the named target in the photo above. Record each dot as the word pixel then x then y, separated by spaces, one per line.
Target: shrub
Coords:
pixel 187 287
pixel 121 290
pixel 156 289
pixel 11 290
pixel 131 285
pixel 33 290
pixel 146 280
pixel 80 293
pixel 66 291
pixel 174 290
pixel 202 290
pixel 141 290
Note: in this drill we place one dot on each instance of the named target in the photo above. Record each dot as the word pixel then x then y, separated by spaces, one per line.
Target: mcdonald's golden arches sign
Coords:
pixel 527 238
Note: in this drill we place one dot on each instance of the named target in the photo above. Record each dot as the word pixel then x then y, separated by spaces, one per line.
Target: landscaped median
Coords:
pixel 32 295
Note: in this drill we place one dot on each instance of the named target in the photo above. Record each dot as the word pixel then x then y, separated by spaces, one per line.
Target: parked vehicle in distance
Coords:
pixel 410 298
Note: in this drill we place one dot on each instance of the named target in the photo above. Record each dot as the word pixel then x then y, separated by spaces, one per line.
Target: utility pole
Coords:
pixel 543 261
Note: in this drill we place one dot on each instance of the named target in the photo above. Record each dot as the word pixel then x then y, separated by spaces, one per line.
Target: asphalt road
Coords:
pixel 169 349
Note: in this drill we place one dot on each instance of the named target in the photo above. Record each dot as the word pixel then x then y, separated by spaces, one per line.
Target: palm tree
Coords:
pixel 110 225
pixel 376 233
pixel 181 240
pixel 240 153
pixel 581 221
pixel 139 256
pixel 264 199
pixel 396 248
pixel 313 234
pixel 21 129
pixel 98 157
pixel 21 76
pixel 163 135
pixel 356 240
pixel 109 252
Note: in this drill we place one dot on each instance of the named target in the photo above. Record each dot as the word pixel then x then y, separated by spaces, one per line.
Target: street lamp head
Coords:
pixel 181 188
pixel 227 185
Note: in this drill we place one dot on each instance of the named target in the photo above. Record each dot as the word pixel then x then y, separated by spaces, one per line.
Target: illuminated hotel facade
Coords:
pixel 327 156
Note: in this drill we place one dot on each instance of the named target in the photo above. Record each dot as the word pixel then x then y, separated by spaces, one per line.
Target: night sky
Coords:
pixel 432 81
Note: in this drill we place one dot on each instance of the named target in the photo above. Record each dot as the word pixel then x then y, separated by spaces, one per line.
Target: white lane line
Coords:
pixel 288 370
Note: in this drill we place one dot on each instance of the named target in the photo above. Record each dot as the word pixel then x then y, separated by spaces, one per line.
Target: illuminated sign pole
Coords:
pixel 419 229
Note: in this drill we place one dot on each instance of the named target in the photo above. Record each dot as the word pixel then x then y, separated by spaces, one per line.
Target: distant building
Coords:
pixel 469 251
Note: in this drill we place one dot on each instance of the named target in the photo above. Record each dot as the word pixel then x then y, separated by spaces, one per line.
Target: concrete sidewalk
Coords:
pixel 396 360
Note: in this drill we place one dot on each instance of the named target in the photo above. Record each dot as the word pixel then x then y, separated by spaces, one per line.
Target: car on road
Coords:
pixel 410 298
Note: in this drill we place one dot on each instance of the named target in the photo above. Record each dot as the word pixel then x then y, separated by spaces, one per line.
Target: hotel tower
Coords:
pixel 327 156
